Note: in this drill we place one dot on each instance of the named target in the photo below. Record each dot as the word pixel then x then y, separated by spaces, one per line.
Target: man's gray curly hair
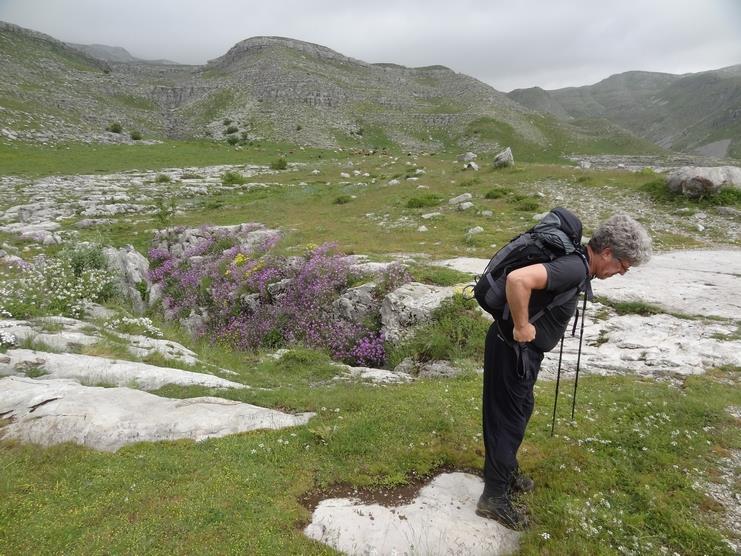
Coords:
pixel 628 240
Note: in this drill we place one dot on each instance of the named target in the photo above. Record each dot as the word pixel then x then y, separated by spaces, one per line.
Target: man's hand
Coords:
pixel 524 333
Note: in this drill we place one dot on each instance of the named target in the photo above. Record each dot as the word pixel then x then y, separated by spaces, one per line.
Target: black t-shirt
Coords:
pixel 564 274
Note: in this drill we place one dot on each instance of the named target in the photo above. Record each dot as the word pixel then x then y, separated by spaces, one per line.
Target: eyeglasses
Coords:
pixel 624 265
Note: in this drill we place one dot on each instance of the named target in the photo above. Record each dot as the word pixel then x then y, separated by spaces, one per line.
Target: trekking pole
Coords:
pixel 558 380
pixel 578 357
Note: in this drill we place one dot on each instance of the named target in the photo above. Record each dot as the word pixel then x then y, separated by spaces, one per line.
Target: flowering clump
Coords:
pixel 256 298
pixel 142 326
pixel 53 286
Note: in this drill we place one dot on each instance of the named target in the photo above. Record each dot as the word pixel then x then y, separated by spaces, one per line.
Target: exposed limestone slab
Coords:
pixel 696 282
pixel 377 376
pixel 51 412
pixel 647 346
pixel 441 520
pixel 88 369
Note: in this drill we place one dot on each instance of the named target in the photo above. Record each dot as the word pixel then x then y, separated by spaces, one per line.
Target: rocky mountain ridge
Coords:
pixel 286 90
pixel 695 112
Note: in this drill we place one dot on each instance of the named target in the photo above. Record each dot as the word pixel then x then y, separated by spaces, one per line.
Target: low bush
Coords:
pixel 142 326
pixel 255 298
pixel 279 164
pixel 233 178
pixel 527 204
pixel 136 135
pixel 60 285
pixel 162 178
pixel 231 129
pixel 497 193
pixel 427 200
pixel 342 199
pixel 115 127
pixel 227 121
pixel 232 140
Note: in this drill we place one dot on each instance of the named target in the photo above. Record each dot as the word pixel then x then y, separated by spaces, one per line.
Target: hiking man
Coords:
pixel 515 345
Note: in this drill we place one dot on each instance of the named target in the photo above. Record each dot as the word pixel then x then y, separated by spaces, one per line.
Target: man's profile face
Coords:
pixel 607 264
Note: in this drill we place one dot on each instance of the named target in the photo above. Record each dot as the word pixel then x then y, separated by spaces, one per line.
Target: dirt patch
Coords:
pixel 384 496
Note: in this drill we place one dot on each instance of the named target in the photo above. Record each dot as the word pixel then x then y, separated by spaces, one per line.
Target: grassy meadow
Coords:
pixel 621 479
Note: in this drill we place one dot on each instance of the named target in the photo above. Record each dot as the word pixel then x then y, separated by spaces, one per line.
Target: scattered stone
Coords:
pixel 471 166
pixel 356 303
pixel 410 305
pixel 696 181
pixel 504 159
pixel 49 412
pixel 487 213
pixel 422 229
pixel 394 182
pixel 132 270
pixel 465 206
pixel 427 369
pixel 430 215
pixel 460 199
pixel 467 157
pixel 474 231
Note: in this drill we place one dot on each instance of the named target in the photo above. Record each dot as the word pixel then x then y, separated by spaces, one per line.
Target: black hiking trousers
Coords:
pixel 510 372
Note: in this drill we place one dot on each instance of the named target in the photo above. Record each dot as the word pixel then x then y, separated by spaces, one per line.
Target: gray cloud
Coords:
pixel 505 44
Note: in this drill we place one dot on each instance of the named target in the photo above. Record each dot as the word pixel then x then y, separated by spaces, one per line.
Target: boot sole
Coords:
pixel 501 520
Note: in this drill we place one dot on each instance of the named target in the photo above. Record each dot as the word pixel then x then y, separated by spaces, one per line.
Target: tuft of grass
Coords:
pixel 438 275
pixel 497 193
pixel 342 199
pixel 279 164
pixel 233 178
pixel 136 135
pixel 427 200
pixel 115 127
pixel 162 178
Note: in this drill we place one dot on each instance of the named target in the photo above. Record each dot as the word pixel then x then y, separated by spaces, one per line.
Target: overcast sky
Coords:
pixel 507 44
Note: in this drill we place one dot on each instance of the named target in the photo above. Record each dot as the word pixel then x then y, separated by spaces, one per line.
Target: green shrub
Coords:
pixel 136 135
pixel 164 211
pixel 279 164
pixel 232 140
pixel 231 129
pixel 342 199
pixel 162 178
pixel 457 331
pixel 497 192
pixel 427 200
pixel 115 127
pixel 84 257
pixel 191 176
pixel 54 286
pixel 227 121
pixel 233 178
pixel 528 204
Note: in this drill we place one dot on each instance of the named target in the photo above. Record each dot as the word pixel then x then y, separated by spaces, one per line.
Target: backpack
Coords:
pixel 557 234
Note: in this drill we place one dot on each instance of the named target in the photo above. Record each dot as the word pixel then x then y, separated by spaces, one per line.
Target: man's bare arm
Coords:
pixel 520 284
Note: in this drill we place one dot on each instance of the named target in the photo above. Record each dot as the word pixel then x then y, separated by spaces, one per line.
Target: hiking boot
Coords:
pixel 521 483
pixel 500 508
